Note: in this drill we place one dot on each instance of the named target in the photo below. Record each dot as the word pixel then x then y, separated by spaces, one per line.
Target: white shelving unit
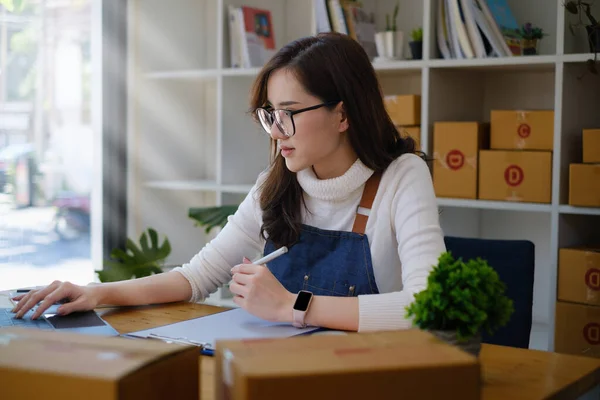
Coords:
pixel 192 143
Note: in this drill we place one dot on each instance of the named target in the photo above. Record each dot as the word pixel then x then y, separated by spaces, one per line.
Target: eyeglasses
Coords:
pixel 284 119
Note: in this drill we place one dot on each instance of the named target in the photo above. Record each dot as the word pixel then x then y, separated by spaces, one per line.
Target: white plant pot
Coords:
pixel 399 45
pixel 389 44
pixel 380 44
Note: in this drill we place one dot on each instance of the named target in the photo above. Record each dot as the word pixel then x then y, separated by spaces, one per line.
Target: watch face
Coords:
pixel 302 300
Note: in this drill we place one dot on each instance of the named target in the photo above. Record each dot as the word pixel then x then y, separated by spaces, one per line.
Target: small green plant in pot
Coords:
pixel 416 44
pixel 461 300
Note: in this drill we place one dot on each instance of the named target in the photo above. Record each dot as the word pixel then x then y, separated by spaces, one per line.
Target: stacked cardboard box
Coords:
pixel 577 327
pixel 405 112
pixel 456 148
pixel 518 167
pixel 584 178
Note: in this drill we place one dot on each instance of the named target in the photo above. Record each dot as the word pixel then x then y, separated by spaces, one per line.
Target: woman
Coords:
pixel 344 192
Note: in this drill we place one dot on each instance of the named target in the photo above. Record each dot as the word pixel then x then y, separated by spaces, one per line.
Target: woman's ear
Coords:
pixel 343 124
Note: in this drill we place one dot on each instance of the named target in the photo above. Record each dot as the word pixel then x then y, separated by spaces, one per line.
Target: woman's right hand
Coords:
pixel 77 298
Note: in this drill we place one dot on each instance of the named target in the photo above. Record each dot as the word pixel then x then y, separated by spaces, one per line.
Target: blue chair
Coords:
pixel 514 261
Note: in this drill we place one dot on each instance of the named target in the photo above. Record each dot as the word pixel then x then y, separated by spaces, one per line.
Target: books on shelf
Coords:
pixel 251 36
pixel 476 29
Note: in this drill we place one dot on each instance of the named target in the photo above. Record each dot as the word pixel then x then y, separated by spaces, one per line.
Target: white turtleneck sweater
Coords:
pixel 403 230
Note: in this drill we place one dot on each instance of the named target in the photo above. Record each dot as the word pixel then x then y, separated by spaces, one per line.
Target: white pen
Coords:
pixel 270 257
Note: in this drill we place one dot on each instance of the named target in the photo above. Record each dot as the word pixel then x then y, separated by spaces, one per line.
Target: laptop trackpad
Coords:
pixel 75 320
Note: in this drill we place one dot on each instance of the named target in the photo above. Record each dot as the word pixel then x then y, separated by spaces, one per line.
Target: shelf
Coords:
pixel 198 185
pixel 494 205
pixel 240 72
pixel 577 58
pixel 405 66
pixel 566 209
pixel 501 63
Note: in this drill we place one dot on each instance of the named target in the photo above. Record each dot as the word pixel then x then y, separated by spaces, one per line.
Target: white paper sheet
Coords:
pixel 231 324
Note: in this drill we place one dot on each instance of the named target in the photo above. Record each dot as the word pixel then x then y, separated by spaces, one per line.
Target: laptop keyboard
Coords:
pixel 7 318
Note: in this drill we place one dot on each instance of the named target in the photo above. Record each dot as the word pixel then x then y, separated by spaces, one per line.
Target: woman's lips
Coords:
pixel 286 151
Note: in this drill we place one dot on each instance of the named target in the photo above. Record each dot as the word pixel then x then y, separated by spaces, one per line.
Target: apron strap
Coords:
pixel 366 202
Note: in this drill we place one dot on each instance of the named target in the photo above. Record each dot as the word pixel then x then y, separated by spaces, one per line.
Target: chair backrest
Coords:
pixel 514 261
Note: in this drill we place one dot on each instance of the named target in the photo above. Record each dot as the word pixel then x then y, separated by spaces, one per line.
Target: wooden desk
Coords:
pixel 509 373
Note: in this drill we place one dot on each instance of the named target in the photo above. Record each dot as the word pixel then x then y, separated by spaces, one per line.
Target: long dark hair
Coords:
pixel 330 66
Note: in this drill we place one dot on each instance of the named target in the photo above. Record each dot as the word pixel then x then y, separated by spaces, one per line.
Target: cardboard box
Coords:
pixel 456 148
pixel 579 275
pixel 522 130
pixel 58 365
pixel 412 131
pixel 591 145
pixel 515 176
pixel 404 110
pixel 584 185
pixel 368 365
pixel 577 329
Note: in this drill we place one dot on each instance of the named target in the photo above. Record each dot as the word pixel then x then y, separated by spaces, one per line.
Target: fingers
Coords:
pixel 239 290
pixel 32 298
pixel 78 305
pixel 240 301
pixel 59 293
pixel 246 268
pixel 241 278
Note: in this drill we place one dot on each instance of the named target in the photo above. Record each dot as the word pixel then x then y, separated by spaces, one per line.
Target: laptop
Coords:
pixel 86 322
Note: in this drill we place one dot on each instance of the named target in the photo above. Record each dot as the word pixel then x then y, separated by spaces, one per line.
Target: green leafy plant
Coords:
pixel 390 23
pixel 417 35
pixel 13 5
pixel 466 297
pixel 211 217
pixel 134 261
pixel 530 32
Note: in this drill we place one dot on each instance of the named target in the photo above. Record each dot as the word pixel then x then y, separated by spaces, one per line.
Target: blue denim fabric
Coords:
pixel 326 263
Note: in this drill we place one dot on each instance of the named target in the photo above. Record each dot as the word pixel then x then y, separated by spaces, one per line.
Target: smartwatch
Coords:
pixel 301 307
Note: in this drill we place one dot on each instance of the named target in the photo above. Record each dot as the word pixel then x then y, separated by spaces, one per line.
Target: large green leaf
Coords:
pixel 211 217
pixel 134 261
pixel 13 5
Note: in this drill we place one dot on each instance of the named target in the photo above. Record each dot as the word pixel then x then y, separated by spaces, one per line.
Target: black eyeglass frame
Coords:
pixel 291 114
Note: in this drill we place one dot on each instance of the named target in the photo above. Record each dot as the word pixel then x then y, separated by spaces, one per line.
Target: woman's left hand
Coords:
pixel 260 293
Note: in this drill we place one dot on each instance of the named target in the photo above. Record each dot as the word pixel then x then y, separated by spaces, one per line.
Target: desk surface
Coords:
pixel 508 373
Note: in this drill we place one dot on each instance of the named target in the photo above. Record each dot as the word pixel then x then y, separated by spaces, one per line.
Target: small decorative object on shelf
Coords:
pixel 390 43
pixel 578 7
pixel 529 36
pixel 462 299
pixel 416 44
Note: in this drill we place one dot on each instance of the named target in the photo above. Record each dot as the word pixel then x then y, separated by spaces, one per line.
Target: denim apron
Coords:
pixel 327 262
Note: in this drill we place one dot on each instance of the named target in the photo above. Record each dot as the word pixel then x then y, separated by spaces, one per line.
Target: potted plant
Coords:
pixel 529 36
pixel 136 261
pixel 579 8
pixel 390 42
pixel 461 300
pixel 416 44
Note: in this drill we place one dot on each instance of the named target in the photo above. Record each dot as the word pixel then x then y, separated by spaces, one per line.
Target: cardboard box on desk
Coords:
pixel 577 329
pixel 57 366
pixel 584 185
pixel 579 275
pixel 515 175
pixel 591 146
pixel 522 130
pixel 456 148
pixel 404 110
pixel 368 365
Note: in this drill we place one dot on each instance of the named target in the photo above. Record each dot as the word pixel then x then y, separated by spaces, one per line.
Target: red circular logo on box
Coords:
pixel 455 159
pixel 524 130
pixel 513 175
pixel 591 333
pixel 592 278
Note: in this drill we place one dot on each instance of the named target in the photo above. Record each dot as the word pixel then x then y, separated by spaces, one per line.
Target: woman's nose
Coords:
pixel 277 133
